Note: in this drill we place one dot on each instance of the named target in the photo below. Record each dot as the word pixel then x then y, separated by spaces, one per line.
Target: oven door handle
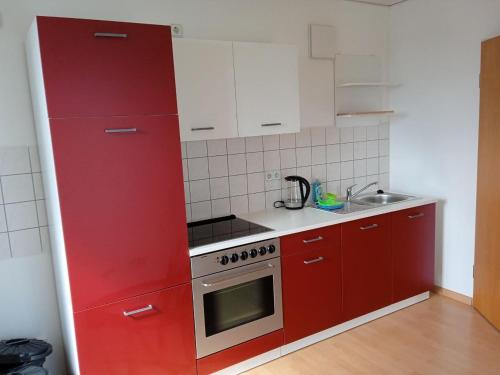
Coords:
pixel 218 281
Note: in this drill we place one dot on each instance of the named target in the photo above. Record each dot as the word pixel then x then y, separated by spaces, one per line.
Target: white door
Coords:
pixel 204 75
pixel 267 88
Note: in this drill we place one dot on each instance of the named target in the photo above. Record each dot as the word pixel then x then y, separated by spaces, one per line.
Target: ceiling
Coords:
pixel 379 2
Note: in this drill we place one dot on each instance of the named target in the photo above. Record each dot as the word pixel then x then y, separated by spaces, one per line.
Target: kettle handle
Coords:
pixel 303 181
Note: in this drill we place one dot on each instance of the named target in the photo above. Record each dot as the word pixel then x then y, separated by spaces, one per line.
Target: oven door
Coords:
pixel 238 305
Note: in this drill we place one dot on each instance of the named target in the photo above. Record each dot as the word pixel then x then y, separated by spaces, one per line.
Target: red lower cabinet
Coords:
pixel 311 280
pixel 366 266
pixel 239 353
pixel 157 336
pixel 413 234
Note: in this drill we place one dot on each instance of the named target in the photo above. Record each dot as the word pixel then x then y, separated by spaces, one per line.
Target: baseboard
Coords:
pixel 269 356
pixel 453 295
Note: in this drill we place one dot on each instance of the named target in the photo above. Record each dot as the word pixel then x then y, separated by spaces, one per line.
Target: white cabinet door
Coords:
pixel 267 88
pixel 204 75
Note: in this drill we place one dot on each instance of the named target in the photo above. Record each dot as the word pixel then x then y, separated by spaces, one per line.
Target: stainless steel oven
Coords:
pixel 236 295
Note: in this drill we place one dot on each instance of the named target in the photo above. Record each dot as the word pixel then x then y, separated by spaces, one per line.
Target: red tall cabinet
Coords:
pixel 106 119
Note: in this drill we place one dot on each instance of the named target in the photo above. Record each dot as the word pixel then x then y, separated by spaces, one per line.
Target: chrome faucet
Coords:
pixel 349 194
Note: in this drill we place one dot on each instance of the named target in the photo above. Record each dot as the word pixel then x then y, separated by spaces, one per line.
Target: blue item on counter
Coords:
pixel 317 191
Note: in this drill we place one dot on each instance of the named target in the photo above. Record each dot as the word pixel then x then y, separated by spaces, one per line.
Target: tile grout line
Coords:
pixel 36 206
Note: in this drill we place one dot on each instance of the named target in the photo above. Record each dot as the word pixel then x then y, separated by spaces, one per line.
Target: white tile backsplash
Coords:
pixel 238 185
pixel 14 160
pixel 318 155
pixel 318 136
pixel 197 149
pixel 236 146
pixel 288 158
pixel 198 168
pixel 254 144
pixel 23 217
pixel 216 147
pixel 219 187
pixel 271 142
pixel 200 190
pixel 218 166
pixel 25 242
pixel 235 169
pixel 255 162
pixel 237 164
pixel 17 188
pixel 287 141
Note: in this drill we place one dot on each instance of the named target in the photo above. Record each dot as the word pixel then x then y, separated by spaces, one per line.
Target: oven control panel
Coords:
pixel 234 257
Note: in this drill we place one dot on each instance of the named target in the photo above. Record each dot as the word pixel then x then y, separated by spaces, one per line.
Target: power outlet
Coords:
pixel 274 174
pixel 177 30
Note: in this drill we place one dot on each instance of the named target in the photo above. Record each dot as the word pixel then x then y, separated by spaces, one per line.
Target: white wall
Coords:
pixel 27 283
pixel 435 54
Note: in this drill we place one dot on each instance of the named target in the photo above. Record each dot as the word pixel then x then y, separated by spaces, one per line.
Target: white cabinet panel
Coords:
pixel 267 88
pixel 204 75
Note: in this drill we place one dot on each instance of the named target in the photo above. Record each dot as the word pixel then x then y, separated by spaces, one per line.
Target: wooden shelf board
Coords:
pixel 372 113
pixel 367 84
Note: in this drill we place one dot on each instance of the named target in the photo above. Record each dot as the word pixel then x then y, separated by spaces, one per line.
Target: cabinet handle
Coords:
pixel 138 311
pixel 421 214
pixel 319 238
pixel 272 124
pixel 123 130
pixel 318 259
pixel 205 128
pixel 110 35
pixel 371 226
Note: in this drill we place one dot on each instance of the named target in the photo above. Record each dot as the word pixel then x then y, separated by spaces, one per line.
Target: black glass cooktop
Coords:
pixel 221 229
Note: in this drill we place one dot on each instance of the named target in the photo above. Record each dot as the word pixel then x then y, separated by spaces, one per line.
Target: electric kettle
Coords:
pixel 298 190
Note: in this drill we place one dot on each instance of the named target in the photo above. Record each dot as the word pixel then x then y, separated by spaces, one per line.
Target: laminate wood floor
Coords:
pixel 437 336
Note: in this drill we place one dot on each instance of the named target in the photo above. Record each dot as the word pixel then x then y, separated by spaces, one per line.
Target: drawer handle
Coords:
pixel 371 226
pixel 421 214
pixel 318 259
pixel 205 128
pixel 110 35
pixel 319 238
pixel 272 124
pixel 138 311
pixel 123 130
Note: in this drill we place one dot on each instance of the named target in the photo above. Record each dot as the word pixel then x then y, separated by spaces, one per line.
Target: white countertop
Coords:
pixel 285 222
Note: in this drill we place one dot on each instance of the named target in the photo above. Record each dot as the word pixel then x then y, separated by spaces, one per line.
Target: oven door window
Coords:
pixel 237 305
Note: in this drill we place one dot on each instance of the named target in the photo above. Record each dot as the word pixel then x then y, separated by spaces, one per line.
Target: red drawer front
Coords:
pixel 366 266
pixel 312 289
pixel 122 205
pixel 87 75
pixel 158 341
pixel 413 242
pixel 313 239
pixel 239 353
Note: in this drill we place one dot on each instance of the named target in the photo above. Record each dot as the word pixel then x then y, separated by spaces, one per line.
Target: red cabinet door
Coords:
pixel 158 340
pixel 102 68
pixel 413 233
pixel 311 282
pixel 366 266
pixel 122 205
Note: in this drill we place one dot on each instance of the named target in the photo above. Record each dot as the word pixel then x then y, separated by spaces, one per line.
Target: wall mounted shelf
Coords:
pixel 367 84
pixel 361 91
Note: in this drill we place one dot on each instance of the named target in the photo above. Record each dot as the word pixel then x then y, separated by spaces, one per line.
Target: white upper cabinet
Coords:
pixel 267 88
pixel 204 75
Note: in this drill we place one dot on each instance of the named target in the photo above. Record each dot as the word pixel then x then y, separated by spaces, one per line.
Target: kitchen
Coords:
pixel 228 174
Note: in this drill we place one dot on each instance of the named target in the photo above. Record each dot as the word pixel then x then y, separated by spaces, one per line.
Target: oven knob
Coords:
pixel 253 253
pixel 244 255
pixel 234 258
pixel 271 249
pixel 262 251
pixel 224 260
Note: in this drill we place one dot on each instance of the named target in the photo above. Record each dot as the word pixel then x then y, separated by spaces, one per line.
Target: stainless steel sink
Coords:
pixel 381 199
pixel 350 207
